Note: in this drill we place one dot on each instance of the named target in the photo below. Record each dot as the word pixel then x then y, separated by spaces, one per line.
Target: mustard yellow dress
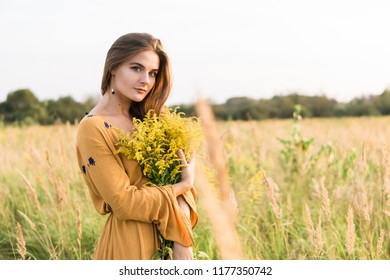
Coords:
pixel 117 187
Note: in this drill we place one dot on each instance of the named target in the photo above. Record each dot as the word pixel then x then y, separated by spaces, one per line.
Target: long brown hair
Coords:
pixel 129 45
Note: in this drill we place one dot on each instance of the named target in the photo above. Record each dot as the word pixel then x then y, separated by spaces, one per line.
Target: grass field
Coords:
pixel 303 189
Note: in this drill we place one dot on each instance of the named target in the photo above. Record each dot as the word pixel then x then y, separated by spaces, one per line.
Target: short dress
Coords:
pixel 137 212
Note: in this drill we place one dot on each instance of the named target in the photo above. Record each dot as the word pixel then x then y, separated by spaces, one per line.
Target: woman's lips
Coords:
pixel 140 90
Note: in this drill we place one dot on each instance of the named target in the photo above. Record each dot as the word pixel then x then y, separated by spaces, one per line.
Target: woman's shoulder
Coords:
pixel 93 123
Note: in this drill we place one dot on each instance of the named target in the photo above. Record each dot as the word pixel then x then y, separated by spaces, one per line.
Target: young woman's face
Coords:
pixel 136 76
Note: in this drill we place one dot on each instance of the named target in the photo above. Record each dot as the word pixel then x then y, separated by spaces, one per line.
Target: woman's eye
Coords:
pixel 153 74
pixel 136 68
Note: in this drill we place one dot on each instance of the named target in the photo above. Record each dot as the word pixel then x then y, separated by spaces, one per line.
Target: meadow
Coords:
pixel 293 189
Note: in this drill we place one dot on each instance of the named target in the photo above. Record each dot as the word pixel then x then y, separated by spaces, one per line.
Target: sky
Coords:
pixel 218 48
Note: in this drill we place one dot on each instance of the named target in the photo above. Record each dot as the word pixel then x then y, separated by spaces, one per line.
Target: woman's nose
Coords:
pixel 145 79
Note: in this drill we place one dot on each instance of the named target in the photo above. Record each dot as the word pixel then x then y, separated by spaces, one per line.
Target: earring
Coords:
pixel 113 91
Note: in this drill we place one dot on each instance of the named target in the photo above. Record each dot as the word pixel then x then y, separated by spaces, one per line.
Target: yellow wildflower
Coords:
pixel 155 142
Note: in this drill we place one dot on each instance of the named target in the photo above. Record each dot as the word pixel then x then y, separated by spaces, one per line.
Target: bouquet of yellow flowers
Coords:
pixel 155 143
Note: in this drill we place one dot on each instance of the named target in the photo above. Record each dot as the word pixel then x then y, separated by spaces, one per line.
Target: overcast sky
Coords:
pixel 219 48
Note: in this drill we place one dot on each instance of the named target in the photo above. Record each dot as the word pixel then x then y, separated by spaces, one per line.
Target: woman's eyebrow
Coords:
pixel 140 65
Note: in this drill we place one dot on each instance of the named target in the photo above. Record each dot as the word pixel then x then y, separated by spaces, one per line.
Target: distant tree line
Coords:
pixel 245 108
pixel 23 107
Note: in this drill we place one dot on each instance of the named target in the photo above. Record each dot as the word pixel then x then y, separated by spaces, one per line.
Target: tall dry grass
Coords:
pixel 44 196
pixel 21 243
pixel 219 205
pixel 305 217
pixel 329 199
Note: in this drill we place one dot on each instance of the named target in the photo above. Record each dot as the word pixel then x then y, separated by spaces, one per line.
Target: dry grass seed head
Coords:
pixel 32 190
pixel 20 242
pixel 386 175
pixel 363 205
pixel 309 225
pixel 362 161
pixel 325 200
pixel 350 238
pixel 318 240
pixel 224 230
pixel 217 155
pixel 380 243
pixel 32 225
pixel 78 224
pixel 272 186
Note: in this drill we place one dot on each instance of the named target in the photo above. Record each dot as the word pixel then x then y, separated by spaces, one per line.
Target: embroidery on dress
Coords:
pixel 91 161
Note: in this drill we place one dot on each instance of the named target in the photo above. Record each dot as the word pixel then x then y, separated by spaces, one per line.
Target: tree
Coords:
pixel 363 106
pixel 282 106
pixel 22 106
pixel 321 106
pixel 66 109
pixel 238 108
pixel 382 103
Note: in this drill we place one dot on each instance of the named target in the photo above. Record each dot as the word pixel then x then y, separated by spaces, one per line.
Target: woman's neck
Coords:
pixel 113 105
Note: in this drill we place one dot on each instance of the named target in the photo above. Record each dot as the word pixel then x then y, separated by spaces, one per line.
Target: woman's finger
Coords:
pixel 182 157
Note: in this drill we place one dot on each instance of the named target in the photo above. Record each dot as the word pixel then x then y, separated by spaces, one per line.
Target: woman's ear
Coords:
pixel 113 71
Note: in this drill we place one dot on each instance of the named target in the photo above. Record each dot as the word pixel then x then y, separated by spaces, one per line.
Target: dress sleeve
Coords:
pixel 106 178
pixel 190 198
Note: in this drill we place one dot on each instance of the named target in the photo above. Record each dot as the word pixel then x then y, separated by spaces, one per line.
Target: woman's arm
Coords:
pixel 181 252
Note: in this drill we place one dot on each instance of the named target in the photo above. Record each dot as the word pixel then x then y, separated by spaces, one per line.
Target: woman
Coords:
pixel 136 78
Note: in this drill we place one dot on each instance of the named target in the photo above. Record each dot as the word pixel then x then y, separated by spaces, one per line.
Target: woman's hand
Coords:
pixel 188 169
pixel 182 253
pixel 187 175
